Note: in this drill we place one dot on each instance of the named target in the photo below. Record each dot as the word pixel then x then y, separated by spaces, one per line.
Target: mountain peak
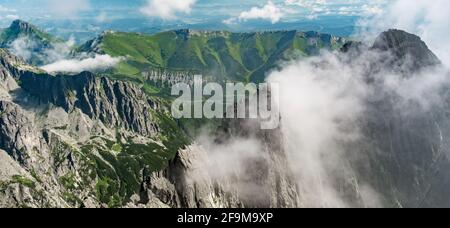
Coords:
pixel 21 26
pixel 406 47
pixel 37 41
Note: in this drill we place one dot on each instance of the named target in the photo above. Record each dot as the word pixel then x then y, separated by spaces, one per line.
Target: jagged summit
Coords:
pixel 406 47
pixel 22 26
pixel 36 41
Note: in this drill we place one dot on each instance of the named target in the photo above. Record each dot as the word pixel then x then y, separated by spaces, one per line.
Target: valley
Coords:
pixel 106 139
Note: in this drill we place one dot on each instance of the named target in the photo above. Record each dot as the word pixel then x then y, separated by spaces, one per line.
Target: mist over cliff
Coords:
pixel 357 124
pixel 364 120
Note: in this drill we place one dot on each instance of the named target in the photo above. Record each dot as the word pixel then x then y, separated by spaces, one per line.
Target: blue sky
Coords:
pixel 211 8
pixel 85 17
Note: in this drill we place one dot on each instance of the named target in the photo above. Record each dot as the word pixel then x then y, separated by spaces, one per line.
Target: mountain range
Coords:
pixel 103 140
pixel 220 55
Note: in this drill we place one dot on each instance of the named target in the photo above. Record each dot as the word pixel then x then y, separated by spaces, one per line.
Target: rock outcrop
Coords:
pixel 408 50
pixel 262 180
pixel 114 103
pixel 89 141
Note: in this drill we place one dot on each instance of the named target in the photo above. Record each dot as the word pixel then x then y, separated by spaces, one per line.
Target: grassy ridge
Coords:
pixel 223 55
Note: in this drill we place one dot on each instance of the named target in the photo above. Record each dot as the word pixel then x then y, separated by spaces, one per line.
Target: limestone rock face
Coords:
pixel 48 121
pixel 89 141
pixel 43 126
pixel 403 152
pixel 115 103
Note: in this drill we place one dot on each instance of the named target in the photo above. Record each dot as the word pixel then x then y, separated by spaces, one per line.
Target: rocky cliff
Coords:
pixel 193 179
pixel 89 141
pixel 404 149
pixel 53 128
pixel 114 103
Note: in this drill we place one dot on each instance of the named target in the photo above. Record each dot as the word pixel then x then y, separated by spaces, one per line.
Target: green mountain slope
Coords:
pixel 20 28
pixel 220 55
pixel 31 43
pixel 217 55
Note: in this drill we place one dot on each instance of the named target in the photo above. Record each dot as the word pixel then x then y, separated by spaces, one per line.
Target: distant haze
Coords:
pixel 85 19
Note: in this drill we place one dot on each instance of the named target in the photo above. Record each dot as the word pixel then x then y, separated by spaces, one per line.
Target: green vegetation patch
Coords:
pixel 121 167
pixel 18 179
pixel 69 181
pixel 3 185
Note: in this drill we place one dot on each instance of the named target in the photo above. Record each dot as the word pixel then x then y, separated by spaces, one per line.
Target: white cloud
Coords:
pixel 4 9
pixel 23 47
pixel 93 64
pixel 307 3
pixel 327 100
pixel 372 10
pixel 8 13
pixel 315 8
pixel 269 12
pixel 167 9
pixel 68 8
pixel 103 17
pixel 229 21
pixel 12 16
pixel 29 50
pixel 308 9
